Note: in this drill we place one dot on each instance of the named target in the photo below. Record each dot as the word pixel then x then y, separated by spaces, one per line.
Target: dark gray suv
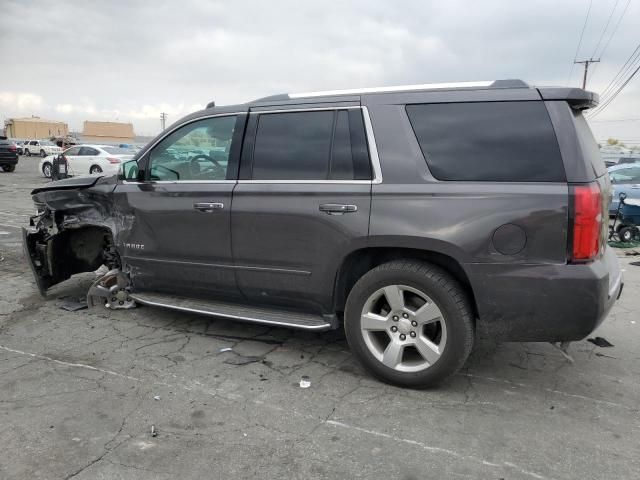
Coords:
pixel 415 216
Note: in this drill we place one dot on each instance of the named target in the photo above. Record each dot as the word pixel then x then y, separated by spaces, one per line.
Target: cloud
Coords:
pixel 138 58
pixel 20 102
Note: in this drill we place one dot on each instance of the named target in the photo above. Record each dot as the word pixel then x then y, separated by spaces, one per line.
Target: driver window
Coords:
pixel 196 151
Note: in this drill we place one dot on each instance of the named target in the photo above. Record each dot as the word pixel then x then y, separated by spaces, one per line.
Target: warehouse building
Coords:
pixel 34 128
pixel 107 132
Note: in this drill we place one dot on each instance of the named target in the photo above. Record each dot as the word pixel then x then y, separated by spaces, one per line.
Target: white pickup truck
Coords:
pixel 41 147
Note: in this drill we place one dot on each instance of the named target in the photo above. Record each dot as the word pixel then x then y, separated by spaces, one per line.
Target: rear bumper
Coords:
pixel 9 160
pixel 535 303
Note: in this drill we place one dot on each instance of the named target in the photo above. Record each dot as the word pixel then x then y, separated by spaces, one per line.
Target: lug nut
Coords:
pixel 394 329
pixel 412 334
pixel 403 336
pixel 405 315
pixel 414 323
pixel 395 318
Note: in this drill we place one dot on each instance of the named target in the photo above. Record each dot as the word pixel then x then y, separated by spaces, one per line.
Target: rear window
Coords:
pixel 588 144
pixel 118 150
pixel 488 141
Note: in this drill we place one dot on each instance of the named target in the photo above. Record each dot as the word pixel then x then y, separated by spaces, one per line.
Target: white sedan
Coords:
pixel 89 160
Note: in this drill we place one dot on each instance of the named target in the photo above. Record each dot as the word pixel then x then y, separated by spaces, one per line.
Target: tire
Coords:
pixel 448 326
pixel 625 234
pixel 95 169
pixel 43 153
pixel 47 169
pixel 27 152
pixel 8 168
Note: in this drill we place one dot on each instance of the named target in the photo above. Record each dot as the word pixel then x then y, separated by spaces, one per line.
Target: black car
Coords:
pixel 8 154
pixel 412 216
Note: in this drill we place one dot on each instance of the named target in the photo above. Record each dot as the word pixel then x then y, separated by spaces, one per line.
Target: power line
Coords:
pixel 605 28
pixel 615 29
pixel 628 65
pixel 575 57
pixel 615 94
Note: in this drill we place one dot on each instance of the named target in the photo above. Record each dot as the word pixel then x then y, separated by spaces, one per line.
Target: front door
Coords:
pixel 302 204
pixel 72 155
pixel 178 237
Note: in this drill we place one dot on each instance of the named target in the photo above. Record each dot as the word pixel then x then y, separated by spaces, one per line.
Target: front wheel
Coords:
pixel 43 153
pixel 27 152
pixel 410 323
pixel 95 169
pixel 8 168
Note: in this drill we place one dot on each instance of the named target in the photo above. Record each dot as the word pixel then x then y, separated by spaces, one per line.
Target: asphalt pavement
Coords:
pixel 156 394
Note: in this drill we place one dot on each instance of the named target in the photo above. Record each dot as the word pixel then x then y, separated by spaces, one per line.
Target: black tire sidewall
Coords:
pixel 50 169
pixel 456 321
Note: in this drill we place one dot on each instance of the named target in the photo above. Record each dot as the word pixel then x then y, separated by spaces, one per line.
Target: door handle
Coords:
pixel 208 207
pixel 337 208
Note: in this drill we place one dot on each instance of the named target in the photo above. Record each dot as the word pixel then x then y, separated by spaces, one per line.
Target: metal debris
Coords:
pixel 305 382
pixel 600 342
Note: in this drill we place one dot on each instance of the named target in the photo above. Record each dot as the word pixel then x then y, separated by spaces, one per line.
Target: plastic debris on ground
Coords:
pixel 305 382
pixel 600 342
pixel 74 304
pixel 225 349
pixel 156 397
pixel 154 432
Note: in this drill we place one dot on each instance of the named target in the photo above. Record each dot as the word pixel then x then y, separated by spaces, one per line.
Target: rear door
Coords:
pixel 301 204
pixel 72 156
pixel 89 157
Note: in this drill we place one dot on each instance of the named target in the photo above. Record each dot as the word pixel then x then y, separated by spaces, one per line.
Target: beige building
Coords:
pixel 107 132
pixel 34 128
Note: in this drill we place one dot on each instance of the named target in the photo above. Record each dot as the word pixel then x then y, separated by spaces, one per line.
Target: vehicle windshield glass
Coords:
pixel 118 150
pixel 46 143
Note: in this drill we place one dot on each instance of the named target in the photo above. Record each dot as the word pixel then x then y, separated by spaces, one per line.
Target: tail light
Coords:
pixel 114 160
pixel 586 235
pixel 13 148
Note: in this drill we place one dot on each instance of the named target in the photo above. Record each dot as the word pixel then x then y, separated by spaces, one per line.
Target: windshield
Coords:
pixel 46 143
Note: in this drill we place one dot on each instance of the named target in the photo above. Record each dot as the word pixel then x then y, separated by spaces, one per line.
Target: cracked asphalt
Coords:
pixel 80 391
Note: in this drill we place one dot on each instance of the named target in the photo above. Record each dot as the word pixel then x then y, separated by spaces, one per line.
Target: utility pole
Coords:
pixel 163 120
pixel 586 64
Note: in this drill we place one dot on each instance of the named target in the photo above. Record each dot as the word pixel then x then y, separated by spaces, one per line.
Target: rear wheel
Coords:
pixel 46 169
pixel 27 152
pixel 43 153
pixel 95 169
pixel 8 168
pixel 410 323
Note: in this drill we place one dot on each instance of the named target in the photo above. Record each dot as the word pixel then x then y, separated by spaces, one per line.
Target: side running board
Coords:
pixel 263 315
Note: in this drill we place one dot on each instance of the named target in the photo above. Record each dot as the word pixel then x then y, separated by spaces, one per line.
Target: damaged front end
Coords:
pixel 73 230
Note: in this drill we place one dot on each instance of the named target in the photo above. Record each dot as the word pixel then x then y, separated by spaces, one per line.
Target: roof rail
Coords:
pixel 407 88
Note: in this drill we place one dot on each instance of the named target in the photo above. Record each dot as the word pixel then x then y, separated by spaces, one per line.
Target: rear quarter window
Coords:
pixel 488 141
pixel 588 145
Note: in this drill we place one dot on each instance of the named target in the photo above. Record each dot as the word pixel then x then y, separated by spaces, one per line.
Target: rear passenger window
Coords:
pixel 311 145
pixel 488 141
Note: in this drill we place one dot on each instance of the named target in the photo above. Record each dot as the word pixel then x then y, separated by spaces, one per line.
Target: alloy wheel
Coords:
pixel 403 328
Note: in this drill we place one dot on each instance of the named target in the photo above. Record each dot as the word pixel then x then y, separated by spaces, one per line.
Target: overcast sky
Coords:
pixel 130 60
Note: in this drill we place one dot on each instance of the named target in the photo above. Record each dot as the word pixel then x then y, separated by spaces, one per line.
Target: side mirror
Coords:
pixel 129 171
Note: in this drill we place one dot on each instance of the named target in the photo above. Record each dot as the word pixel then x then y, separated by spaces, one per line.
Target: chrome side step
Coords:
pixel 262 315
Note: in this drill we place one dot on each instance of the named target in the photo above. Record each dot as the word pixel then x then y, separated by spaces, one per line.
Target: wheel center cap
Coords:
pixel 404 326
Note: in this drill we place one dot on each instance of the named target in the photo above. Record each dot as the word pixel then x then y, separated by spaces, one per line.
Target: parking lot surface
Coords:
pixel 81 391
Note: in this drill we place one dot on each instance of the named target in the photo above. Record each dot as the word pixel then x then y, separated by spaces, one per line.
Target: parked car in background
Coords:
pixel 41 147
pixel 19 146
pixel 610 162
pixel 8 154
pixel 89 160
pixel 414 216
pixel 624 178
